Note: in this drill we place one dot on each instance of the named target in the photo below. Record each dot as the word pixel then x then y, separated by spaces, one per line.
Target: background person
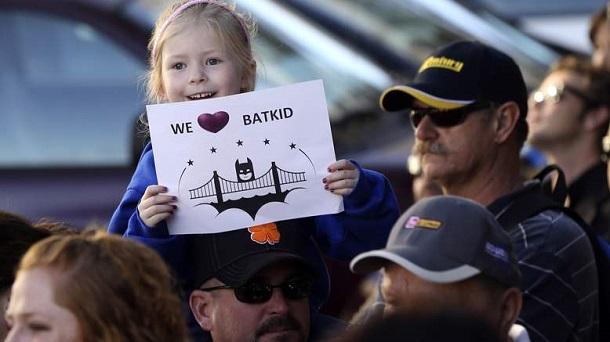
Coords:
pixel 468 107
pixel 93 287
pixel 447 253
pixel 568 117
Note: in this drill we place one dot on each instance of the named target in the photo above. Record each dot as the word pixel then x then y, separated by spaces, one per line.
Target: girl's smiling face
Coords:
pixel 196 65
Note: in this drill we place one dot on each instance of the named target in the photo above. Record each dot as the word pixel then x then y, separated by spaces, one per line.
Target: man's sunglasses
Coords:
pixel 445 117
pixel 257 291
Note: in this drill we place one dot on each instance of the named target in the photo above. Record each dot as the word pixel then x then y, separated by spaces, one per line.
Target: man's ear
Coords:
pixel 596 117
pixel 511 302
pixel 201 304
pixel 506 120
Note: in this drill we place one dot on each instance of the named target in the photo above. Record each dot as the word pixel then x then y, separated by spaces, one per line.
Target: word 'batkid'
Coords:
pixel 267 116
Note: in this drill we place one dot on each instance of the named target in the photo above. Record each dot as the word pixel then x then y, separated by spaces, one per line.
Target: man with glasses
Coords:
pixel 468 105
pixel 568 117
pixel 254 284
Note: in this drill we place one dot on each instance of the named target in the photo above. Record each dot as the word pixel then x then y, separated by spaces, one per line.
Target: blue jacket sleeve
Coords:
pixel 370 212
pixel 126 219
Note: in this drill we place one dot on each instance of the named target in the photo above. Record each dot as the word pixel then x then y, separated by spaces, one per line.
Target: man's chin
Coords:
pixel 281 336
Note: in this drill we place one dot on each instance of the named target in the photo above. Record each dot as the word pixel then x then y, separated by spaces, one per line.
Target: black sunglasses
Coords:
pixel 257 291
pixel 445 117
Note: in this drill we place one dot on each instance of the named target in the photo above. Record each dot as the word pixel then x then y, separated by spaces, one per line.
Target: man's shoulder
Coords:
pixel 554 226
pixel 554 234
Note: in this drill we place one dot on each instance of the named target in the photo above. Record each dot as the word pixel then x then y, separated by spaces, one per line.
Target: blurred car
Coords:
pixel 72 90
pixel 562 24
pixel 412 29
pixel 69 96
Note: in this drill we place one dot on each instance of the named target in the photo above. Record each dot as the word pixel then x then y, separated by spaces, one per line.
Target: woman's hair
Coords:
pixel 234 30
pixel 17 235
pixel 119 290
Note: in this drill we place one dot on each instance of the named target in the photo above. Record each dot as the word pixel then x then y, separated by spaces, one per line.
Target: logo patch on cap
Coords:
pixel 418 222
pixel 265 233
pixel 496 252
pixel 441 62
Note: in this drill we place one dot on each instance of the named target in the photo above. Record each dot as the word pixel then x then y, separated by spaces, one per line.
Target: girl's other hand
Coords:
pixel 343 177
pixel 155 207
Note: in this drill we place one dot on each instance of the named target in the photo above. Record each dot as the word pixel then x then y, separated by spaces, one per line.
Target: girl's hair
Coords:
pixel 233 29
pixel 118 290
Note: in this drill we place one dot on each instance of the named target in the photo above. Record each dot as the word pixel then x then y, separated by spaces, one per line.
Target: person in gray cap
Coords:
pixel 446 254
pixel 468 107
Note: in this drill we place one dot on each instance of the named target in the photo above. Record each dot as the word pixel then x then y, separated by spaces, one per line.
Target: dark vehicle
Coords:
pixel 69 96
pixel 72 91
pixel 72 87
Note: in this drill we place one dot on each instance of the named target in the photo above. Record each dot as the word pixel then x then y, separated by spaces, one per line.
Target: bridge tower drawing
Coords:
pixel 218 186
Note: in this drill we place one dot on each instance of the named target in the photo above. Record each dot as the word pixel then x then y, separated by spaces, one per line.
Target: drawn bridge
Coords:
pixel 274 177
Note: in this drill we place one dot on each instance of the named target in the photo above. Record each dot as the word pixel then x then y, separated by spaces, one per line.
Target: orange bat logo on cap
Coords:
pixel 265 233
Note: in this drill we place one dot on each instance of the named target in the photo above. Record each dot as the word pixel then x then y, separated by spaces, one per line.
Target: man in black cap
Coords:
pixel 255 284
pixel 444 254
pixel 468 106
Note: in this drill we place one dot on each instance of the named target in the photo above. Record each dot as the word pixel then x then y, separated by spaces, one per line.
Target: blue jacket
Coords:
pixel 370 211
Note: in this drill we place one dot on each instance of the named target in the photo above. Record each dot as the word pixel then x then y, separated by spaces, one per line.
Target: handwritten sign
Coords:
pixel 245 159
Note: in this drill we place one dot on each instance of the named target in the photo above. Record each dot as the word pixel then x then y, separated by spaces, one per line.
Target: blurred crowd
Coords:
pixel 499 245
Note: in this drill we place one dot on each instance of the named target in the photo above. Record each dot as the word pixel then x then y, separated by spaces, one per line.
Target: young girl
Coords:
pixel 203 49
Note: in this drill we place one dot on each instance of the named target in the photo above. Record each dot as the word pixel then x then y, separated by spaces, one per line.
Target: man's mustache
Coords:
pixel 425 147
pixel 278 323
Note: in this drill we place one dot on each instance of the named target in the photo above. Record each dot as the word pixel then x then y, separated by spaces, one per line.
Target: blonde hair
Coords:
pixel 119 290
pixel 233 29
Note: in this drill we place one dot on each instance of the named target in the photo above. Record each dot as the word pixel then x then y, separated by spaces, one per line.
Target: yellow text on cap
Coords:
pixel 441 62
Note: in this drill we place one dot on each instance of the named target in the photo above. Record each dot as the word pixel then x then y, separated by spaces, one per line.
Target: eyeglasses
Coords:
pixel 555 93
pixel 257 291
pixel 447 117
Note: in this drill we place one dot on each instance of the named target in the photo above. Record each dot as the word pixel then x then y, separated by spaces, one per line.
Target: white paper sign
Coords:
pixel 245 159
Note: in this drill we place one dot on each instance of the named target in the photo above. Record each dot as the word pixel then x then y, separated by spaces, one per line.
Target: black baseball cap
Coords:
pixel 460 74
pixel 234 257
pixel 446 239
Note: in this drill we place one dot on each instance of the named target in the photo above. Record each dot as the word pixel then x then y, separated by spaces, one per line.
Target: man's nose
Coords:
pixel 425 130
pixel 277 304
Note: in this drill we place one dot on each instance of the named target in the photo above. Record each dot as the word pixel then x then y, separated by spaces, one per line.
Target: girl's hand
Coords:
pixel 155 207
pixel 343 177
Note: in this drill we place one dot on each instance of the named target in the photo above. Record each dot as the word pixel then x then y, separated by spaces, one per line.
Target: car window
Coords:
pixel 413 31
pixel 280 64
pixel 69 95
pixel 404 30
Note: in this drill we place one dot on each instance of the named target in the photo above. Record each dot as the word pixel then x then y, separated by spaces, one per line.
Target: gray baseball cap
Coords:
pixel 446 239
